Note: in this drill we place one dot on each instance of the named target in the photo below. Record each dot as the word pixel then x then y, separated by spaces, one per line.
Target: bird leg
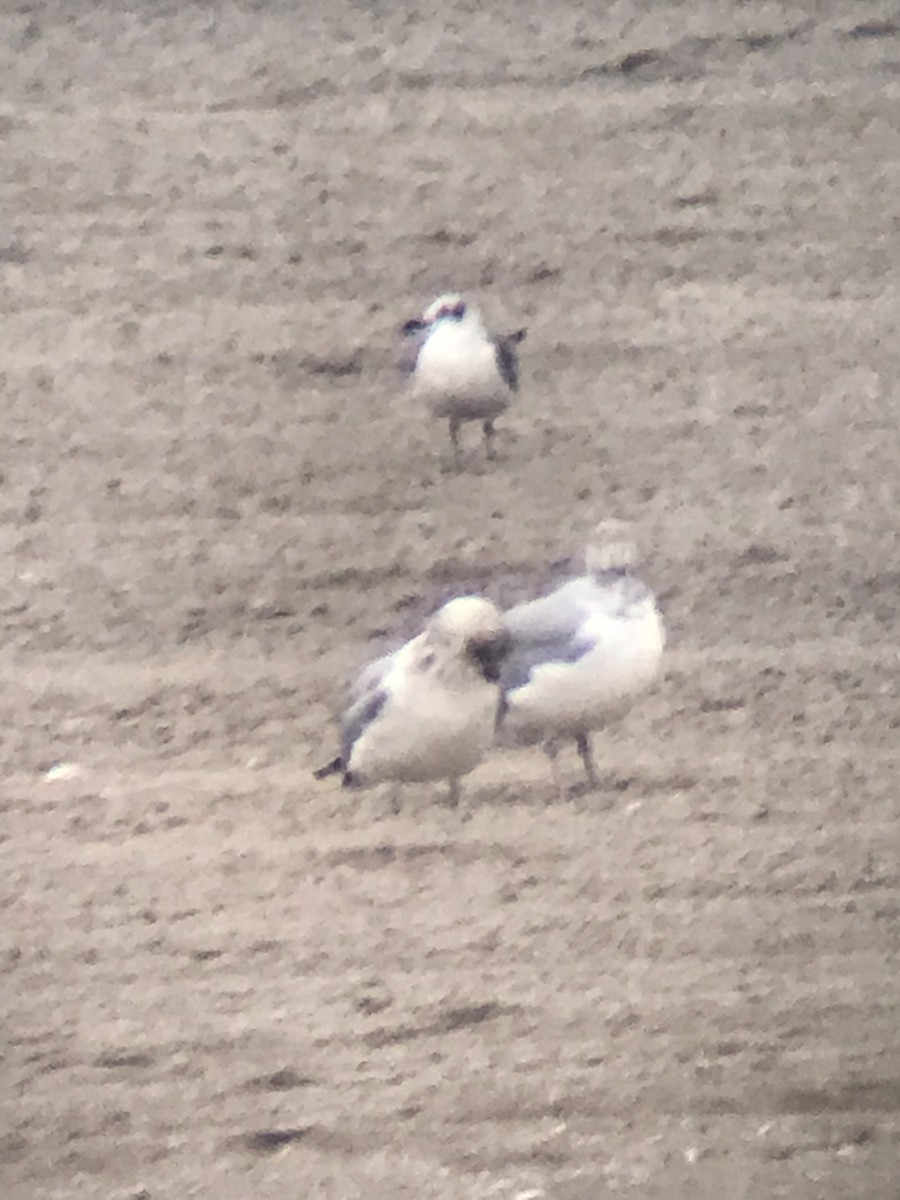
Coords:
pixel 453 793
pixel 454 441
pixel 583 742
pixel 551 749
pixel 488 428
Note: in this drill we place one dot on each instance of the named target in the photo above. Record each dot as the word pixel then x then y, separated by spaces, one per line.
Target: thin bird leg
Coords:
pixel 583 743
pixel 488 428
pixel 454 440
pixel 396 799
pixel 453 793
pixel 551 749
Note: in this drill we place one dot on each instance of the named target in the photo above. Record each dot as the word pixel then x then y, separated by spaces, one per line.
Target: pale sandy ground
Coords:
pixel 221 980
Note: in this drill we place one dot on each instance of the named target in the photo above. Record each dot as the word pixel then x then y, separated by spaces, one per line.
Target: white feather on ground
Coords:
pixel 459 370
pixel 428 711
pixel 581 655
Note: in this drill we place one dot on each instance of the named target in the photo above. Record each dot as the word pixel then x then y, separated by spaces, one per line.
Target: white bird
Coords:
pixel 428 711
pixel 582 654
pixel 459 370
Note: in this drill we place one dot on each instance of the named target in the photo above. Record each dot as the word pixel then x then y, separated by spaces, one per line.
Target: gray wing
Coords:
pixel 357 719
pixel 546 630
pixel 366 698
pixel 415 334
pixel 507 358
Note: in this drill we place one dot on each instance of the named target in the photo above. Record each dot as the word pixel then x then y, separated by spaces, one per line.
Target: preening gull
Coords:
pixel 582 654
pixel 459 370
pixel 428 711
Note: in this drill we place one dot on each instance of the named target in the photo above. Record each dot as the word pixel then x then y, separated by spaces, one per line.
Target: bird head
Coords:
pixel 611 547
pixel 449 308
pixel 473 628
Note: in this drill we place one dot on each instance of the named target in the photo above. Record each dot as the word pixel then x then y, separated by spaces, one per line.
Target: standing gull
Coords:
pixel 459 370
pixel 427 711
pixel 582 654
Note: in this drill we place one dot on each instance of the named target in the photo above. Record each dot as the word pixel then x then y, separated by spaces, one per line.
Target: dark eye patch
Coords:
pixel 455 312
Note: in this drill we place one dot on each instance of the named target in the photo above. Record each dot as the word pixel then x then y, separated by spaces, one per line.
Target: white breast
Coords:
pixel 456 374
pixel 427 731
pixel 567 698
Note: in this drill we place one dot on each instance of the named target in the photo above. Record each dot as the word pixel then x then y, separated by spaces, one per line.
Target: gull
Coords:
pixel 581 655
pixel 459 370
pixel 428 710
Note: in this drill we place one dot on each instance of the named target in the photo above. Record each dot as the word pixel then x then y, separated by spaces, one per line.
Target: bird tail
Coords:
pixel 335 767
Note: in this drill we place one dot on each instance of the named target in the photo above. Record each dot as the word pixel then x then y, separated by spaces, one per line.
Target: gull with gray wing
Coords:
pixel 428 711
pixel 459 370
pixel 581 655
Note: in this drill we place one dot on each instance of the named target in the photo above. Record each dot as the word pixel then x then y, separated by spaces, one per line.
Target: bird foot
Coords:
pixel 604 784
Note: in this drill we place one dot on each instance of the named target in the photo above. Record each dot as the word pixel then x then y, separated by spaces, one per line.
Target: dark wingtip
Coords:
pixel 413 325
pixel 336 765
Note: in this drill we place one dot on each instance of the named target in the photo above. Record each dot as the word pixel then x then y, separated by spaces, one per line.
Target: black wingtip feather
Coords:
pixel 333 768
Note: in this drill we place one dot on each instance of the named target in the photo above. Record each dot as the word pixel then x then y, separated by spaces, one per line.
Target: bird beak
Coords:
pixel 489 656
